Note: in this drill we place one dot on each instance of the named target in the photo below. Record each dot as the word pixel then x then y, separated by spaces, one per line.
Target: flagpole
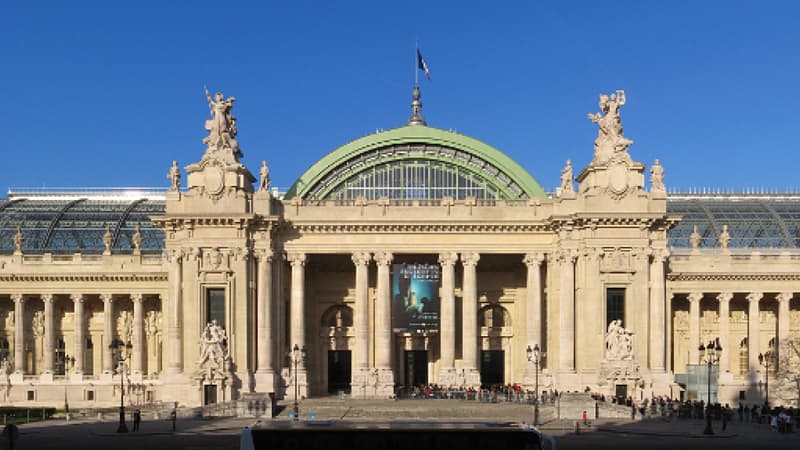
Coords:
pixel 416 64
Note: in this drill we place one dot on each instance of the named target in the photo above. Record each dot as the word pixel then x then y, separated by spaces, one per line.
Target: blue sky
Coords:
pixel 107 94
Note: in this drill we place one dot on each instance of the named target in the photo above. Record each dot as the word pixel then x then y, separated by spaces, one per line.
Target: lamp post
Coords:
pixel 766 359
pixel 711 354
pixel 69 362
pixel 118 346
pixel 535 356
pixel 297 354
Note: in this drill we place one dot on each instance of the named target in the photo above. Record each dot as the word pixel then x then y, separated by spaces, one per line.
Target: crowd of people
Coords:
pixel 779 418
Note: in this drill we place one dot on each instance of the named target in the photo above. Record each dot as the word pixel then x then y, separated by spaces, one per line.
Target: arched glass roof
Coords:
pixel 416 162
pixel 754 221
pixel 69 224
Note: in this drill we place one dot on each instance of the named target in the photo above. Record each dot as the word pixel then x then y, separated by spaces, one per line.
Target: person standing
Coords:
pixel 137 418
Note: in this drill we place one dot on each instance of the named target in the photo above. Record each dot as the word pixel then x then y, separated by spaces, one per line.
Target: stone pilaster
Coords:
pixel 19 334
pixel 265 366
pixel 297 301
pixel 108 332
pixel 383 326
pixel 753 330
pixel 361 322
pixel 174 328
pixel 566 317
pixel 138 334
pixel 469 316
pixel 49 334
pixel 724 299
pixel 447 320
pixel 657 312
pixel 533 301
pixel 79 301
pixel 783 324
pixel 694 326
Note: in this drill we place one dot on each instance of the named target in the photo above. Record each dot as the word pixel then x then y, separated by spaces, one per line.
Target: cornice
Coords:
pixel 787 276
pixel 317 227
pixel 85 278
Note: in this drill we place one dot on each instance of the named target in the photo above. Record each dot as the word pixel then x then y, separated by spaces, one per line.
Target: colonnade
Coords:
pixel 723 299
pixel 81 326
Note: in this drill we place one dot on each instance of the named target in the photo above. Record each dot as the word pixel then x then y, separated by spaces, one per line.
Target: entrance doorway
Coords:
pixel 622 394
pixel 492 367
pixel 339 371
pixel 416 370
pixel 209 394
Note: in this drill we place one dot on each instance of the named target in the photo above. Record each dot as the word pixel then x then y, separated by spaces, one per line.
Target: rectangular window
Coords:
pixel 741 395
pixel 31 396
pixel 215 306
pixel 615 305
pixel 90 395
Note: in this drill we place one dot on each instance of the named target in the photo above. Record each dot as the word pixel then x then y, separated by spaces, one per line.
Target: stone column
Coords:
pixel 724 299
pixel 361 320
pixel 265 342
pixel 566 319
pixel 753 329
pixel 19 335
pixel 383 326
pixel 138 333
pixel 658 303
pixel 78 301
pixel 108 332
pixel 174 332
pixel 694 326
pixel 297 303
pixel 533 299
pixel 49 334
pixel 447 320
pixel 783 324
pixel 469 317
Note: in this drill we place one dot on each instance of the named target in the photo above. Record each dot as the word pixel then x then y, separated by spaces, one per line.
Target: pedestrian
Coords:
pixel 585 418
pixel 174 415
pixel 137 417
pixel 633 411
pixel 741 412
pixel 11 433
pixel 724 419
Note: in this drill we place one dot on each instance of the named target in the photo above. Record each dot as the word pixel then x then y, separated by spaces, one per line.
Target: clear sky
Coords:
pixel 107 94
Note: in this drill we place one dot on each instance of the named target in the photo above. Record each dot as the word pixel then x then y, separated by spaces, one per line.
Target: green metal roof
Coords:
pixel 417 135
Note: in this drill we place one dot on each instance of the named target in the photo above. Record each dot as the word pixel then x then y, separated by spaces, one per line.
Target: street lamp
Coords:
pixel 117 346
pixel 297 355
pixel 712 354
pixel 766 359
pixel 69 362
pixel 535 356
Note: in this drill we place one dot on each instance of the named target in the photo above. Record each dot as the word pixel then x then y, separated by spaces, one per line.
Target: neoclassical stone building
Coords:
pixel 412 255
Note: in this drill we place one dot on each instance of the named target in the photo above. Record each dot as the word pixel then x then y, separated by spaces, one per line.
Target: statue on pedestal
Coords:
pixel 657 177
pixel 619 342
pixel 566 179
pixel 610 142
pixel 174 176
pixel 263 184
pixel 222 126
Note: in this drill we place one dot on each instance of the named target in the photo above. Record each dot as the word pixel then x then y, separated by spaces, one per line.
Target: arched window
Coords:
pixel 338 317
pixel 494 316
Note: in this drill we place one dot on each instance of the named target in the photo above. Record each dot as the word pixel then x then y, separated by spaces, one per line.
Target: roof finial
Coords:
pixel 416 108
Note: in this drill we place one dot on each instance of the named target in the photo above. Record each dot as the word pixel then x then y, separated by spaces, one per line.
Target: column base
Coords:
pixel 385 386
pixel 472 378
pixel 265 381
pixel 364 383
pixel 76 377
pixel 46 378
pixel 447 377
pixel 107 376
pixel 17 378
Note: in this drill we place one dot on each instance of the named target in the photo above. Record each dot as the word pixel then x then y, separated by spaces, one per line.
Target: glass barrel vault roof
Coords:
pixel 66 226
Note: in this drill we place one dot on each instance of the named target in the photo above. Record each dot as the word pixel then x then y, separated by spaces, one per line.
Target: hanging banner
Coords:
pixel 415 297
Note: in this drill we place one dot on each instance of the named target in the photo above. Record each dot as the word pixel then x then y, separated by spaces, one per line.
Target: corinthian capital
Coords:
pixel 448 258
pixel 264 254
pixel 361 258
pixel 470 259
pixel 755 297
pixel 383 258
pixel 533 259
pixel 296 259
pixel 724 297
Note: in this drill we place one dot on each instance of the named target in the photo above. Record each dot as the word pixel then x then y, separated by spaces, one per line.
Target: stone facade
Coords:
pixel 277 271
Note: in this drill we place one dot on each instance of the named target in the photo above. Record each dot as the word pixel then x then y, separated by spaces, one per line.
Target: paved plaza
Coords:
pixel 223 433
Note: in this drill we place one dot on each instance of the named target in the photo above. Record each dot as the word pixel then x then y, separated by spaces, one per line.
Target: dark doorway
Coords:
pixel 492 367
pixel 622 394
pixel 209 394
pixel 339 371
pixel 416 367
